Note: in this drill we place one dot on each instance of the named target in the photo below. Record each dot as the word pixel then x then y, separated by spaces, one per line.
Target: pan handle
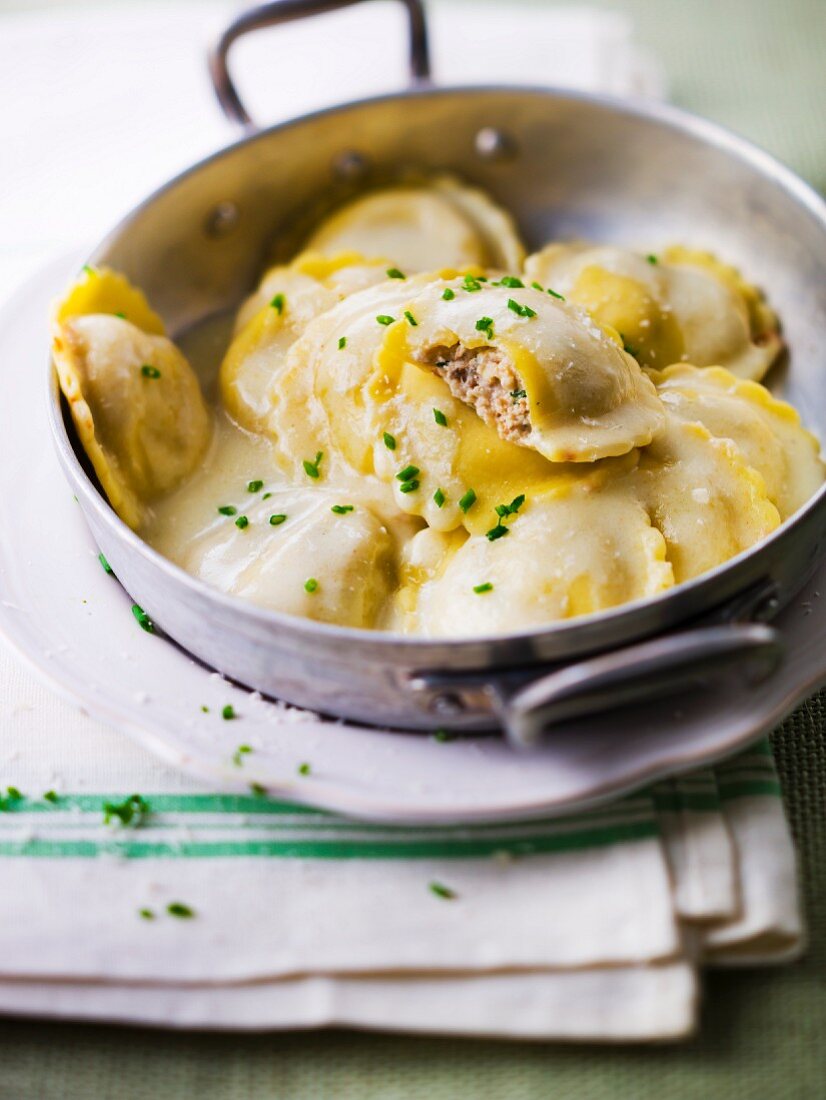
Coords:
pixel 285 11
pixel 529 708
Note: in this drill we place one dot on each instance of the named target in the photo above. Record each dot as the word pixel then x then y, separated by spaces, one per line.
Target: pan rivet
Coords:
pixel 493 144
pixel 350 165
pixel 221 220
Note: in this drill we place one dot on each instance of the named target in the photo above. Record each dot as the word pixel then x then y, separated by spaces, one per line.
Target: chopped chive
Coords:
pixel 516 394
pixel 255 486
pixel 411 320
pixel 51 796
pixel 511 282
pixel 228 712
pixel 520 311
pixel 394 273
pixel 89 270
pixel 311 468
pixel 497 532
pixel 304 769
pixel 537 286
pixel 440 418
pixel 146 914
pixel 471 283
pixel 627 348
pixel 242 522
pixel 258 790
pixel 485 324
pixel 409 486
pixel 148 371
pixel 311 585
pixel 178 909
pixel 342 342
pixel 342 509
pixel 385 319
pixel 204 708
pixel 389 441
pixel 448 295
pixel 239 754
pixel 277 303
pixel 480 588
pixel 443 736
pixel 652 259
pixel 512 508
pixel 120 314
pixel 143 620
pixel 441 891
pixel 132 811
pixel 407 473
pixel 107 568
pixel 554 294
pixel 467 501
pixel 439 498
pixel 266 496
pixel 14 794
pixel 227 509
pixel 277 519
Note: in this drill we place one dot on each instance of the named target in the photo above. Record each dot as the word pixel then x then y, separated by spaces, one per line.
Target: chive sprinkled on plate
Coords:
pixel 178 909
pixel 242 522
pixel 255 486
pixel 266 496
pixel 385 319
pixel 278 303
pixel 652 259
pixel 342 509
pixel 204 708
pixel 14 794
pixel 440 418
pixel 277 519
pixel 148 371
pixel 554 294
pixel 258 790
pixel 304 769
pixel 389 441
pixel 239 754
pixel 107 568
pixel 133 811
pixel 142 619
pixel 443 736
pixel 394 273
pixel 227 509
pixel 448 295
pixel 439 498
pixel 511 282
pixel 442 891
pixel 411 320
pixel 467 501
pixel 479 589
pixel 311 585
pixel 228 712
pixel 407 473
pixel 311 468
pixel 342 342
pixel 146 914
pixel 520 310
pixel 537 286
pixel 497 532
pixel 51 796
pixel 485 324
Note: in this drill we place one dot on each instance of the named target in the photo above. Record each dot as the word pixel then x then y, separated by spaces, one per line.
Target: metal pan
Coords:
pixel 566 165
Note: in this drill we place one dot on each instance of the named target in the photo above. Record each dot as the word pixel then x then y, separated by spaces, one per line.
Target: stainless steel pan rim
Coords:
pixel 751 585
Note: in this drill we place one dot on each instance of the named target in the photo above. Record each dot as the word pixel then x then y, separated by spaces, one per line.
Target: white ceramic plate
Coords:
pixel 73 623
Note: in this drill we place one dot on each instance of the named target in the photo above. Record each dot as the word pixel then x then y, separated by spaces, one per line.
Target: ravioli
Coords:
pixel 424 227
pixel 272 318
pixel 767 432
pixel 134 398
pixel 573 552
pixel 701 494
pixel 680 306
pixel 333 567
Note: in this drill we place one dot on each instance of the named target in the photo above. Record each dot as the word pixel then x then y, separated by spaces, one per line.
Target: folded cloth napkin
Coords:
pixel 216 910
pixel 588 927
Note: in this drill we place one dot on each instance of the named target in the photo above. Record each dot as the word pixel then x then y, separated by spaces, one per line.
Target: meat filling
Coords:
pixel 485 379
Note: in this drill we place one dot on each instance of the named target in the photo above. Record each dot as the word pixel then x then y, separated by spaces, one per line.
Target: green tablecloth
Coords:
pixel 758 66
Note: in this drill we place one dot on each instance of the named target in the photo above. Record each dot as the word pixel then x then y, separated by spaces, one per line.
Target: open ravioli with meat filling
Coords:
pixel 413 433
